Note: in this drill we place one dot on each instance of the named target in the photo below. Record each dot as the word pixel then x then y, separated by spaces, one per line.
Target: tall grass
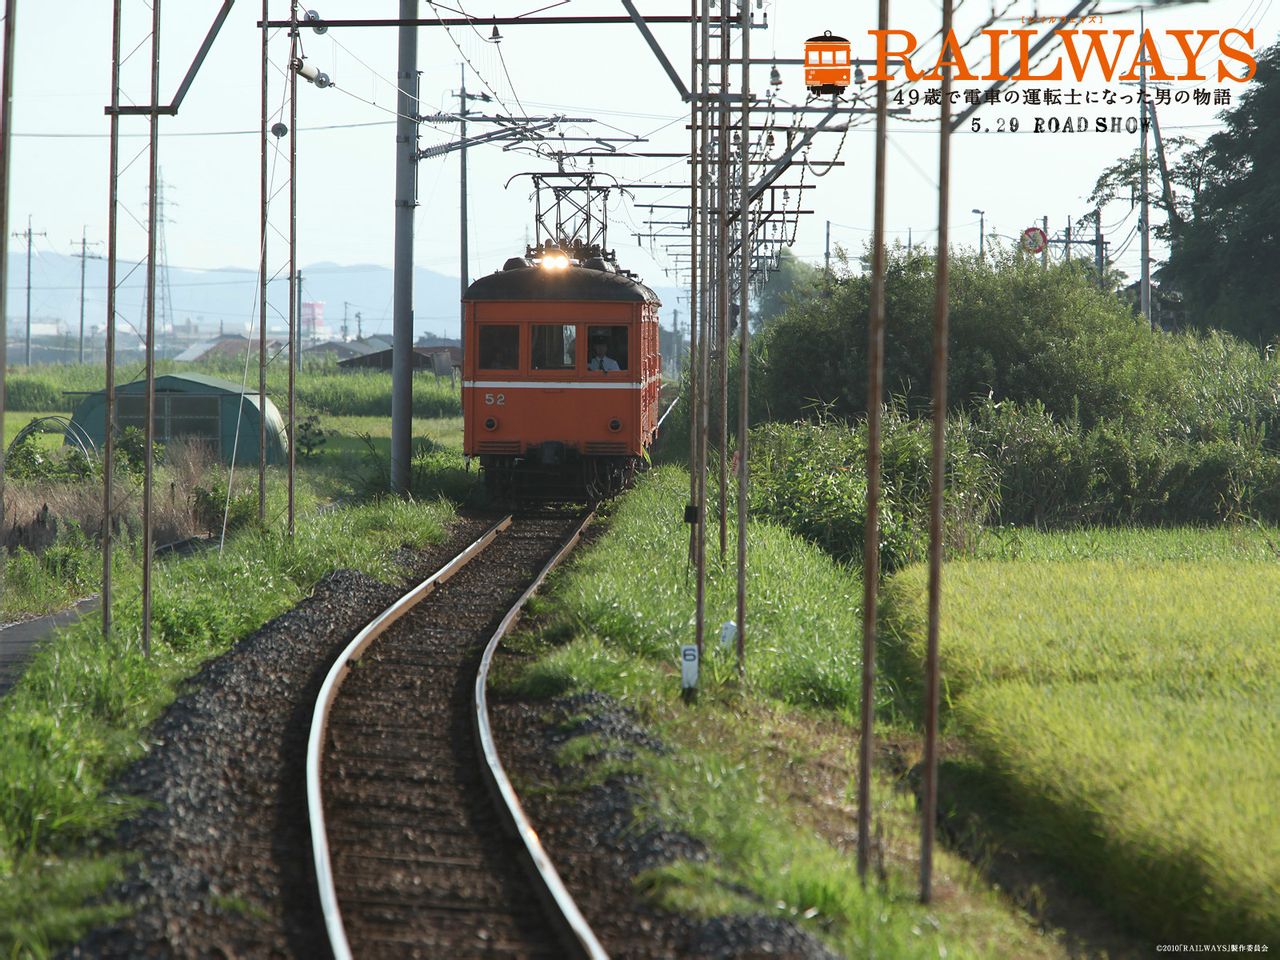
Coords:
pixel 322 390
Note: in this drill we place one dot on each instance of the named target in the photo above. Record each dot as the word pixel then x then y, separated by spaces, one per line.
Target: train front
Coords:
pixel 561 374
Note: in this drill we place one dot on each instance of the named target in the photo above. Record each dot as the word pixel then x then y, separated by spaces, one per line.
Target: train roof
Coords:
pixel 568 283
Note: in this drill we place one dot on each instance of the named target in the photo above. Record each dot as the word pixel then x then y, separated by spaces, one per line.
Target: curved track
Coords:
pixel 414 857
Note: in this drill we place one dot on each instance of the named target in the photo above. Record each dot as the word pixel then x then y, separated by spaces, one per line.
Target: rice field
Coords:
pixel 1124 691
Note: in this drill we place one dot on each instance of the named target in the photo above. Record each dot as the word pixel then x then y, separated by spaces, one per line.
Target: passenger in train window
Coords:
pixel 600 359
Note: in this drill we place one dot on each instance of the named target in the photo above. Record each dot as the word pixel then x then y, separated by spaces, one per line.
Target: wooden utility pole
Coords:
pixel 28 236
pixel 84 257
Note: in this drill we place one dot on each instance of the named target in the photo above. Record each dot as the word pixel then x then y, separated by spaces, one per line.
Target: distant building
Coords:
pixel 337 350
pixel 311 320
pixel 424 358
pixel 226 346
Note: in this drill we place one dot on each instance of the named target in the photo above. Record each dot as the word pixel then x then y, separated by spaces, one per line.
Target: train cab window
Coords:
pixel 813 57
pixel 607 348
pixel 499 346
pixel 828 57
pixel 554 346
pixel 842 56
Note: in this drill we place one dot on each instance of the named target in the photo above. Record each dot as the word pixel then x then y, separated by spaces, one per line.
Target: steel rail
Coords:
pixel 562 910
pixel 320 721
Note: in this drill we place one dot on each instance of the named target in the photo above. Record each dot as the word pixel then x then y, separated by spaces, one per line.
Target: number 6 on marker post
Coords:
pixel 689 667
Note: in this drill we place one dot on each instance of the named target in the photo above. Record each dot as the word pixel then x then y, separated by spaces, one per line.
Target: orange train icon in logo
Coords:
pixel 826 64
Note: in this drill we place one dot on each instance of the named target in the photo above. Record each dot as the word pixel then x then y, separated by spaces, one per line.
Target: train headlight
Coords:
pixel 491 423
pixel 555 261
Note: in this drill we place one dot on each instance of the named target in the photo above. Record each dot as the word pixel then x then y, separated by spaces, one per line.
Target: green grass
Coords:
pixel 79 712
pixel 805 631
pixel 323 390
pixel 1127 706
pixel 763 772
pixel 15 421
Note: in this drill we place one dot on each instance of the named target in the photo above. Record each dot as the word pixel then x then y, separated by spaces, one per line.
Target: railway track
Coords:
pixel 420 844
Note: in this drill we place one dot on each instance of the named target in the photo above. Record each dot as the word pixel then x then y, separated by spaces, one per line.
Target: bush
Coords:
pixel 1055 473
pixel 210 504
pixel 26 460
pixel 1021 333
pixel 811 478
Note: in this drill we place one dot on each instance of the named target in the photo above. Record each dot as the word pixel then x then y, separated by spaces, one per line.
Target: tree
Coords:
pixel 1222 222
pixel 1225 263
pixel 793 282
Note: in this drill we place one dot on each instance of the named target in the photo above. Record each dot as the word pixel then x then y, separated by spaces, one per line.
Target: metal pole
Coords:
pixel 262 282
pixel 464 260
pixel 402 313
pixel 744 348
pixel 982 237
pixel 152 213
pixel 1098 258
pixel 28 289
pixel 109 411
pixel 695 315
pixel 704 375
pixel 826 254
pixel 294 49
pixel 1044 254
pixel 6 143
pixel 940 318
pixel 871 546
pixel 84 259
pixel 1145 288
pixel 723 167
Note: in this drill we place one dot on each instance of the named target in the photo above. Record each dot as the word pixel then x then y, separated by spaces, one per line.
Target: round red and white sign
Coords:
pixel 1034 240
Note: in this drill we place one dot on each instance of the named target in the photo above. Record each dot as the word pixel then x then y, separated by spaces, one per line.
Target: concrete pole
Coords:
pixel 402 296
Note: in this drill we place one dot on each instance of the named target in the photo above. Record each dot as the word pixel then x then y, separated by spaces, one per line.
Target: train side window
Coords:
pixel 499 346
pixel 614 341
pixel 554 346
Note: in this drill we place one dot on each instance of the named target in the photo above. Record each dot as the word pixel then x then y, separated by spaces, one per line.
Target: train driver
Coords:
pixel 601 360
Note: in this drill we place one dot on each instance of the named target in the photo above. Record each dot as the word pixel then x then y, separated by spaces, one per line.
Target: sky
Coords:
pixel 209 153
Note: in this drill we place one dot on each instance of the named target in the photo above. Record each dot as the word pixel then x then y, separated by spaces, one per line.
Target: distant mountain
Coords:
pixel 202 303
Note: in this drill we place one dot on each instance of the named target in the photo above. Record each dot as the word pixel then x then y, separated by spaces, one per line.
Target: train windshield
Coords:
pixel 554 346
pixel 608 348
pixel 499 346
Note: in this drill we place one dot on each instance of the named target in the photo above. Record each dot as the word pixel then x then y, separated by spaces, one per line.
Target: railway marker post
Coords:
pixel 689 671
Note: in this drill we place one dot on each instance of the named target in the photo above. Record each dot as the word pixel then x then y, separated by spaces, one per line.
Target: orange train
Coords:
pixel 561 374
